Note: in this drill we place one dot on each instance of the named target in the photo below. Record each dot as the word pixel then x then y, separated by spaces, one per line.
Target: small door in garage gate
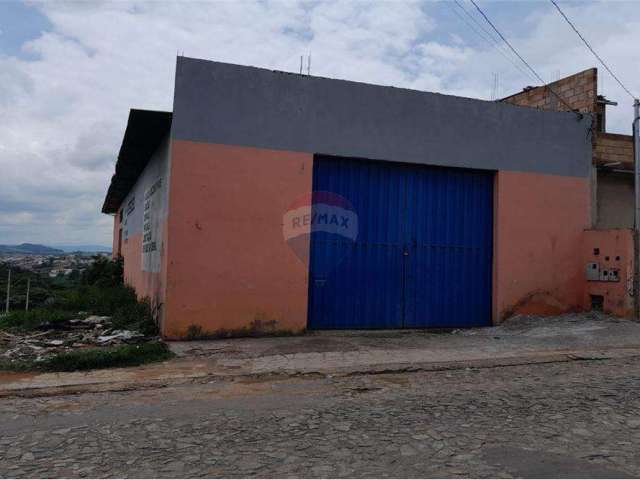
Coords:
pixel 422 256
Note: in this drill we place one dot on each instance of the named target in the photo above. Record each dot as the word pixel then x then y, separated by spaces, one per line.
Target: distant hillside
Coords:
pixel 30 249
pixel 84 248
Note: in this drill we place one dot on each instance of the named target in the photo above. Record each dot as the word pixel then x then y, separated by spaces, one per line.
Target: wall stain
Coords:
pixel 539 302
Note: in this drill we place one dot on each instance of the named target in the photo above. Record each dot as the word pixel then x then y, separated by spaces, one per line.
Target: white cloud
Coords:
pixel 556 51
pixel 64 105
pixel 16 218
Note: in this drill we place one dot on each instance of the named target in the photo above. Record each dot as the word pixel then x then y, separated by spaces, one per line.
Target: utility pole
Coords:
pixel 636 185
pixel 26 305
pixel 8 291
pixel 636 158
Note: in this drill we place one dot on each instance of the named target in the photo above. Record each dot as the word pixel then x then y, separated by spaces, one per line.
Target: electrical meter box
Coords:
pixel 614 274
pixel 593 272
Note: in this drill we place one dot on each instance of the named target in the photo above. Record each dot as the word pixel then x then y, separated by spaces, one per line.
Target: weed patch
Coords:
pixel 25 321
pixel 100 291
pixel 96 358
pixel 120 303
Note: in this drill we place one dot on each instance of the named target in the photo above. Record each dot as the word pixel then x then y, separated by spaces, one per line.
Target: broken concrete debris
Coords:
pixel 118 336
pixel 90 331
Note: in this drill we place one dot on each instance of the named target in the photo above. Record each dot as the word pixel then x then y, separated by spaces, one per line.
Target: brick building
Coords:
pixel 612 184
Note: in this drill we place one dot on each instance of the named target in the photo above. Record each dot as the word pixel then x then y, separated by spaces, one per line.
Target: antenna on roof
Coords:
pixel 309 65
pixel 300 64
pixel 494 87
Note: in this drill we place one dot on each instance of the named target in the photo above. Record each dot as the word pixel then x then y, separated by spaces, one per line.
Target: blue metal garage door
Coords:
pixel 422 256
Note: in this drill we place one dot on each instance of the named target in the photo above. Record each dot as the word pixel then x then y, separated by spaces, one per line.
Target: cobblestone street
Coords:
pixel 573 419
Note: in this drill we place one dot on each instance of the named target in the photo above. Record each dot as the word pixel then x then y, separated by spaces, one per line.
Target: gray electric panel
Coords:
pixel 593 272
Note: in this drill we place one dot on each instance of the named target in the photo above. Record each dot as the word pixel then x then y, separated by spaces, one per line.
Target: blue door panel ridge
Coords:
pixel 422 257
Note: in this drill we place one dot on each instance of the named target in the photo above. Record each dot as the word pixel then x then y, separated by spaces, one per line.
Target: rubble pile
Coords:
pixel 90 332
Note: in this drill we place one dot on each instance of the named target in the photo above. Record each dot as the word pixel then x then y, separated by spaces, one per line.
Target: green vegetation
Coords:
pixel 43 290
pixel 100 291
pixel 104 272
pixel 21 321
pixel 93 358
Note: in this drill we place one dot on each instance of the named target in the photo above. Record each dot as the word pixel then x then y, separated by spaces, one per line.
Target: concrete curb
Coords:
pixel 198 375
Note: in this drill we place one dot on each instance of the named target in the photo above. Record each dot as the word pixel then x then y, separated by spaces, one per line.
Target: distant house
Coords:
pixel 269 201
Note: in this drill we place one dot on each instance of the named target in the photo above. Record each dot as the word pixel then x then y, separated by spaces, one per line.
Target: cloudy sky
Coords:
pixel 70 71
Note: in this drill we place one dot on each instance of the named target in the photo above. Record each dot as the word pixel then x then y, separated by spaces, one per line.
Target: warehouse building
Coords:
pixel 269 201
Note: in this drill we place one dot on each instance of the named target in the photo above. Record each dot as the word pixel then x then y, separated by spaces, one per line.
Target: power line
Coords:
pixel 483 37
pixel 520 57
pixel 479 24
pixel 475 30
pixel 506 41
pixel 491 41
pixel 590 48
pixel 474 20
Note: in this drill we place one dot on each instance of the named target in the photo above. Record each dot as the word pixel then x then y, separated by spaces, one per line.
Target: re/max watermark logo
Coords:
pixel 319 217
pixel 319 213
pixel 315 218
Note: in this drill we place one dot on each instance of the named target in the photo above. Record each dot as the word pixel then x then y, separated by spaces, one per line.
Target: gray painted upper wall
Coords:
pixel 236 105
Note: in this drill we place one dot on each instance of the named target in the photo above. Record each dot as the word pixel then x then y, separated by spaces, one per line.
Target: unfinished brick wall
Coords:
pixel 579 91
pixel 612 147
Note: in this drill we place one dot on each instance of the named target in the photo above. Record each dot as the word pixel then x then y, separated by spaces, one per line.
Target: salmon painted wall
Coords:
pixel 146 284
pixel 229 267
pixel 539 226
pixel 610 249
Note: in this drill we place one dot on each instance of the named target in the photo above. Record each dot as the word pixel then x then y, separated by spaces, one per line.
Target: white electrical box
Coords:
pixel 614 274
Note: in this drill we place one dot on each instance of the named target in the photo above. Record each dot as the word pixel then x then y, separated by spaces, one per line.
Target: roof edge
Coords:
pixel 144 132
